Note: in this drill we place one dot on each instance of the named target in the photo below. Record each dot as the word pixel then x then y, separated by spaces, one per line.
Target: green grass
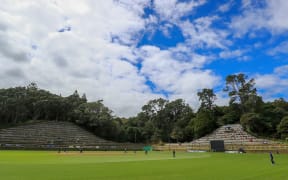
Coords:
pixel 42 165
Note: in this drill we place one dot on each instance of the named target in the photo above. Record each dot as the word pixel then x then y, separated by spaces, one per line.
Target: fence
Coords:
pixel 229 147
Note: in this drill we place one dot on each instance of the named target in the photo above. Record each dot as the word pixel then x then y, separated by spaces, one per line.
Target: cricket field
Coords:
pixel 117 165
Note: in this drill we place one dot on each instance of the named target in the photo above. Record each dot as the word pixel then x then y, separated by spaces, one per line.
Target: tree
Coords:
pixel 159 118
pixel 241 91
pixel 177 134
pixel 229 114
pixel 84 99
pixel 133 133
pixel 253 123
pixel 207 98
pixel 159 121
pixel 177 114
pixel 154 107
pixel 96 117
pixel 272 115
pixel 281 103
pixel 203 124
pixel 205 121
pixel 283 127
pixel 32 86
pixel 154 112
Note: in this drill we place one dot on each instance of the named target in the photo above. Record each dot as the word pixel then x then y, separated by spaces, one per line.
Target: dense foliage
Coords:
pixel 160 120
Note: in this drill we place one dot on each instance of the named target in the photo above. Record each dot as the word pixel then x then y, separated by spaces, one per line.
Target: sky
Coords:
pixel 127 52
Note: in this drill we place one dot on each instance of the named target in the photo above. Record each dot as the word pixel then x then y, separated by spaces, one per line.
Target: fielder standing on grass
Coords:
pixel 174 153
pixel 272 158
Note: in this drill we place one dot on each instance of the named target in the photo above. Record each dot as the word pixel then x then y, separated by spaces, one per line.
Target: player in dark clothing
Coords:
pixel 271 158
pixel 174 153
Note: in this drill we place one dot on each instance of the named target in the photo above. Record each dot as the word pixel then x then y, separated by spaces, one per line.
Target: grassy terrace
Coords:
pixel 35 165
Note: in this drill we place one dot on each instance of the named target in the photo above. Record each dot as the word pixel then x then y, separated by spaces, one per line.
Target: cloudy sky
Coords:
pixel 127 52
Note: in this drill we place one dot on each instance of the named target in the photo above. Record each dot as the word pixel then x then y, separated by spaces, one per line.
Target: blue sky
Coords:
pixel 128 52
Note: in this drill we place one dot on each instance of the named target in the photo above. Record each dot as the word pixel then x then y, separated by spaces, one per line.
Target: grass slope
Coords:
pixel 35 165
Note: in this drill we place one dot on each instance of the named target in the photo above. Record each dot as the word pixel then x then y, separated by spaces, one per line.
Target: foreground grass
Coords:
pixel 36 165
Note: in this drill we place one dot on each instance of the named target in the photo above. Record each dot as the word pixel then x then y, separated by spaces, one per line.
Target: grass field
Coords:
pixel 42 165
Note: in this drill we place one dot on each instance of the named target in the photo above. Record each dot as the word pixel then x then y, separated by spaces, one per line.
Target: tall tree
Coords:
pixel 207 98
pixel 203 124
pixel 241 91
pixel 177 116
pixel 205 120
pixel 154 112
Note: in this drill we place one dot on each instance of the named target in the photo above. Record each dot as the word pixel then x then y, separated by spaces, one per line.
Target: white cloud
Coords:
pixel 225 7
pixel 172 10
pixel 281 48
pixel 231 54
pixel 83 58
pixel 183 79
pixel 273 84
pixel 199 33
pixel 246 3
pixel 277 9
pixel 272 17
pixel 282 70
pixel 95 51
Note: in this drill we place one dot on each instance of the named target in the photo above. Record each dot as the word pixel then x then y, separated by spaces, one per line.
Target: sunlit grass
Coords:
pixel 42 165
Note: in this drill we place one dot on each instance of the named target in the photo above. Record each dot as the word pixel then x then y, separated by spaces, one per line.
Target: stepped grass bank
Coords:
pixel 35 165
pixel 51 135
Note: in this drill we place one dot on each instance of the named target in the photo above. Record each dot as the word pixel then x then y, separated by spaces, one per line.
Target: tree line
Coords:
pixel 159 120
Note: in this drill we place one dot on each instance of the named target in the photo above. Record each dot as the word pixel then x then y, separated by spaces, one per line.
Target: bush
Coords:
pixel 253 122
pixel 282 128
